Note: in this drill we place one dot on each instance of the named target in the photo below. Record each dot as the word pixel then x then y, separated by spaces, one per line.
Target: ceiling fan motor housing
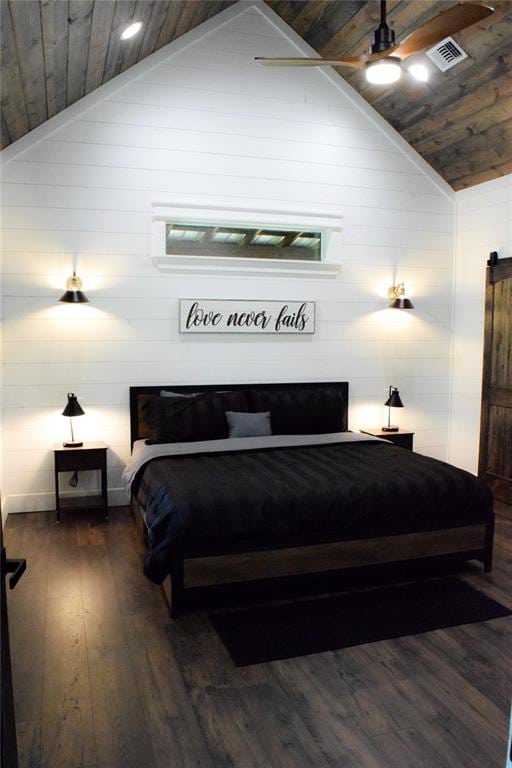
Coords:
pixel 382 39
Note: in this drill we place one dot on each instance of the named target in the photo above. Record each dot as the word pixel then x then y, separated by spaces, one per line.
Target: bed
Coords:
pixel 308 501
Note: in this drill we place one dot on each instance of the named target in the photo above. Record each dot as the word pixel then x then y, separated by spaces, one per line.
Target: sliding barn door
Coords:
pixel 495 464
pixel 8 747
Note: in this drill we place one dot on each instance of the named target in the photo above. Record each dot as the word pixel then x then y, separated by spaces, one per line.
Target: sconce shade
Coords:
pixel 73 407
pixel 397 295
pixel 394 400
pixel 74 297
pixel 74 293
pixel 401 303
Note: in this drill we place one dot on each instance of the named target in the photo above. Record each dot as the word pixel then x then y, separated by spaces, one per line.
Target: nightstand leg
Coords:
pixel 104 491
pixel 57 503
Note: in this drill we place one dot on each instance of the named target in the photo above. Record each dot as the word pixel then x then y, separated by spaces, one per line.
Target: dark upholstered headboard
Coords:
pixel 139 395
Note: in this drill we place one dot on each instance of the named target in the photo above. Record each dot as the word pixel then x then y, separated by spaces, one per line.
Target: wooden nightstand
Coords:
pixel 86 457
pixel 403 438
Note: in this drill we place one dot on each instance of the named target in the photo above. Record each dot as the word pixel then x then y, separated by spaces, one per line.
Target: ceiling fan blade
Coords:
pixel 445 24
pixel 348 61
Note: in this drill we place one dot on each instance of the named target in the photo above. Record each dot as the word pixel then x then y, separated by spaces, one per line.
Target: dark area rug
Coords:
pixel 282 631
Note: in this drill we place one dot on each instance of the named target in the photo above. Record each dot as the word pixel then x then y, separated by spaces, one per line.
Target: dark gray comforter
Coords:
pixel 314 492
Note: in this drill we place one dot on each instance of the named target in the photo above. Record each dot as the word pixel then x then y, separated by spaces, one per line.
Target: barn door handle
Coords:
pixel 17 568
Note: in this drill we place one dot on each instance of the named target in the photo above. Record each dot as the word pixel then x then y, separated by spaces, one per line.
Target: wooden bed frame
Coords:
pixel 330 559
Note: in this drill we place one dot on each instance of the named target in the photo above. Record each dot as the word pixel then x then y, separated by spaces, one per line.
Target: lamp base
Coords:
pixel 75 444
pixel 390 429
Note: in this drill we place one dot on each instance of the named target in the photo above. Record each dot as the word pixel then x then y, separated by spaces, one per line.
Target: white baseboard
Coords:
pixel 44 502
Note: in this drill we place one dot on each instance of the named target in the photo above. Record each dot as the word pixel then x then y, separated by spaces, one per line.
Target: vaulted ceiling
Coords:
pixel 461 121
pixel 56 51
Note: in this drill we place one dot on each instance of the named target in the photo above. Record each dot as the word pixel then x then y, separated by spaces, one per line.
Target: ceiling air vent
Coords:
pixel 446 54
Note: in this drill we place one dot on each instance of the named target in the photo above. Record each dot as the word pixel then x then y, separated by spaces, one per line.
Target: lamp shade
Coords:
pixel 401 303
pixel 74 293
pixel 394 400
pixel 73 407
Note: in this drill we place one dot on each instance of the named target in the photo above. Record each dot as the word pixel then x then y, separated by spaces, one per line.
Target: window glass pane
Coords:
pixel 242 242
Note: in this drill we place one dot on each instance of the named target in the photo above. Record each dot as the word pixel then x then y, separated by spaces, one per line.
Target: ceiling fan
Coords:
pixel 382 63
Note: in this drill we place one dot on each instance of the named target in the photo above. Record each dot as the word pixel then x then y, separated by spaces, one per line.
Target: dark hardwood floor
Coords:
pixel 104 679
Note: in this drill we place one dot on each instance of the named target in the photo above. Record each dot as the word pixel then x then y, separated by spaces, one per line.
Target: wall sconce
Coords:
pixel 74 293
pixel 397 295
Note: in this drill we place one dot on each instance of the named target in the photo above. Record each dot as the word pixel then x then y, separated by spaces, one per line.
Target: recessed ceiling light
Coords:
pixel 131 30
pixel 419 72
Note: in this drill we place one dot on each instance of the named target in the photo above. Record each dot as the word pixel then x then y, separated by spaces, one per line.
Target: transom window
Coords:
pixel 243 242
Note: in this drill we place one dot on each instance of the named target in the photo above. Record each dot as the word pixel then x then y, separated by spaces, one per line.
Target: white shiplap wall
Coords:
pixel 2 495
pixel 201 123
pixel 484 224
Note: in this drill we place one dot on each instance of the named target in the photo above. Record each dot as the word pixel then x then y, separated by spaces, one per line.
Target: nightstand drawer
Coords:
pixel 401 437
pixel 81 458
pixel 404 441
pixel 68 461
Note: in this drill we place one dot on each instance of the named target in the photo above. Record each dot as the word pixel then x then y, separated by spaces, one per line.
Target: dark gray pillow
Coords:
pixel 248 424
pixel 311 411
pixel 197 417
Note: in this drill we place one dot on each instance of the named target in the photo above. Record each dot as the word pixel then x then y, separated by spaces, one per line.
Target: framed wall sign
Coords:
pixel 247 316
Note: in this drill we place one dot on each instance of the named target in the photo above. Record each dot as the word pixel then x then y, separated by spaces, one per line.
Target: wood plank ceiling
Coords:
pixel 461 121
pixel 56 51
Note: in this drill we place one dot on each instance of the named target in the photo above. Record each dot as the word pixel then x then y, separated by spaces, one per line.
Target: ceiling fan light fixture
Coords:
pixel 383 71
pixel 419 72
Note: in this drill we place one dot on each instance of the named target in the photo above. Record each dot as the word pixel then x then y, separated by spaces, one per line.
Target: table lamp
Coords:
pixel 72 409
pixel 393 401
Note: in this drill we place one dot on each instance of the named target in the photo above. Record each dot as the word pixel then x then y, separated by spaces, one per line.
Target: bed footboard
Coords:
pixel 332 564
